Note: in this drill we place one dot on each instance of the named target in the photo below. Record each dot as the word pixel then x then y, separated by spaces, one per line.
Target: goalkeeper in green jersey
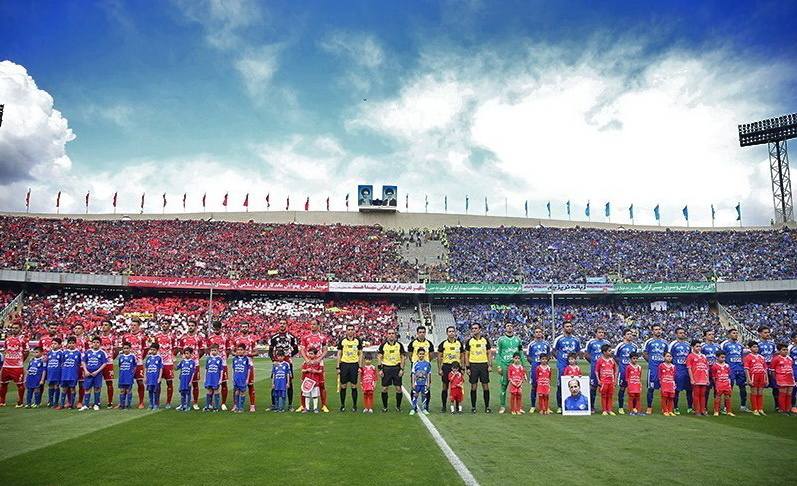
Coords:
pixel 507 346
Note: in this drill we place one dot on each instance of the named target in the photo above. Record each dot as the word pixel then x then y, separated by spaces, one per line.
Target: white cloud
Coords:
pixel 257 68
pixel 364 55
pixel 120 114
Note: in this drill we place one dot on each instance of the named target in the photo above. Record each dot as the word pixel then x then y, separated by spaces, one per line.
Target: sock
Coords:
pixel 621 398
pixel 533 397
pixel 354 397
pixel 96 397
pixel 444 396
pixel 29 397
pixel 502 396
pixel 290 395
pixel 486 394
pixel 343 396
pixel 399 398
pixel 315 403
pixel 716 403
pixel 384 399
pixel 794 397
pixel 56 396
pixel 195 391
pixel 415 402
pixel 109 389
pixel 49 395
pixel 169 391
pixel 323 391
pixel 743 395
pixel 20 393
pixel 473 398
pixel 775 396
pixel 689 399
pixel 558 397
pixel 3 391
pixel 207 400
pixel 81 393
pixel 675 399
pixel 728 404
pixel 785 400
pixel 224 392
pixel 453 407
pixel 63 398
pixel 650 398
pixel 592 398
pixel 217 399
pixel 427 399
pixel 251 394
pixel 140 393
pixel 37 397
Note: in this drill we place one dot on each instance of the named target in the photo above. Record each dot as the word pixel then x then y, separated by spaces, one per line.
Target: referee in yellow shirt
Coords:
pixel 448 352
pixel 350 357
pixel 391 357
pixel 478 363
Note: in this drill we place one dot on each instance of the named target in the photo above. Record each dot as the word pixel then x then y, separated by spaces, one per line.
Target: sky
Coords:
pixel 517 102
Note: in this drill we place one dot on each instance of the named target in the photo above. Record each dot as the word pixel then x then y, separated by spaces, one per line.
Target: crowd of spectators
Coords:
pixel 545 255
pixel 203 249
pixel 614 315
pixel 6 296
pixel 779 316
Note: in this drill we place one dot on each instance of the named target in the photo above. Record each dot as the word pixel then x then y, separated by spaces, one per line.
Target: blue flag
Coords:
pixel 445 202
pixel 685 211
pixel 527 208
pixel 486 207
pixel 568 208
pixel 549 208
pixel 466 204
pixel 739 212
pixel 656 213
pixel 713 213
pixel 631 211
pixel 608 210
pixel 586 211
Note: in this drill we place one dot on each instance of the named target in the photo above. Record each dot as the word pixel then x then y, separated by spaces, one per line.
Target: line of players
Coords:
pixel 59 358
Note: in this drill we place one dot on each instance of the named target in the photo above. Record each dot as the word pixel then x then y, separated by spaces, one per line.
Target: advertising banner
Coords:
pixel 666 288
pixel 467 288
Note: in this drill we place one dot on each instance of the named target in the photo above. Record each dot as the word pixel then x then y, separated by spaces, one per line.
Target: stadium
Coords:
pixel 444 242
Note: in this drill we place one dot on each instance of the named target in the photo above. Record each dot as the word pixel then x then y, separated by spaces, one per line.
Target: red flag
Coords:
pixel 268 200
pixel 246 200
pixel 224 203
pixel 27 199
pixel 142 200
pixel 307 204
pixel 185 194
pixel 164 199
pixel 114 198
pixel 87 198
pixel 204 198
pixel 58 200
pixel 327 203
pixel 288 203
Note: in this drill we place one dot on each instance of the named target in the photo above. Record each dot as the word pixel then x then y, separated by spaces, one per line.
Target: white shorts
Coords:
pixel 312 393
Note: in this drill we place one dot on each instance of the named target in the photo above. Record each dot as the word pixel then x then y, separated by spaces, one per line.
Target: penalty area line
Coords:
pixel 452 457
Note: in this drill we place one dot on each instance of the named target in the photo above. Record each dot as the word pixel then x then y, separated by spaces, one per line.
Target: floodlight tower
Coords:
pixel 774 132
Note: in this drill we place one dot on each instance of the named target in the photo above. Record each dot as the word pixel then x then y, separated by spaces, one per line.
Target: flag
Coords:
pixel 548 206
pixel 58 200
pixel 656 213
pixel 631 212
pixel 204 199
pixel 586 210
pixel 164 199
pixel 347 200
pixel 445 203
pixel 27 199
pixel 526 207
pixel 327 203
pixel 307 204
pixel 713 213
pixel 246 200
pixel 114 198
pixel 268 200
pixel 87 198
pixel 685 212
pixel 568 208
pixel 466 204
pixel 224 203
pixel 288 203
pixel 486 207
pixel 185 195
pixel 738 211
pixel 407 201
pixel 607 210
pixel 427 202
pixel 142 200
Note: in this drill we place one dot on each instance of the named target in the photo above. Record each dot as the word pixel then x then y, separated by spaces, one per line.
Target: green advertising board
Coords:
pixel 666 288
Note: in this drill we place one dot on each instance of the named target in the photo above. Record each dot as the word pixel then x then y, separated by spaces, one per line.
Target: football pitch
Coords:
pixel 168 447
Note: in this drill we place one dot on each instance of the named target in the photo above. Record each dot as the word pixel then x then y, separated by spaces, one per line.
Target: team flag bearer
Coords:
pixel 127 373
pixel 240 377
pixel 153 366
pixel 54 358
pixel 186 370
pixel 94 362
pixel 34 379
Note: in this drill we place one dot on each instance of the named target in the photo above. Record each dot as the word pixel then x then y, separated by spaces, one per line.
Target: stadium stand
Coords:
pixel 780 316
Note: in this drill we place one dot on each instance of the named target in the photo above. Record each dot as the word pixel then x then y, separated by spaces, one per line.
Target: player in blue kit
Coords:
pixel 767 349
pixel 592 351
pixel 127 374
pixel 680 349
pixel 54 358
pixel 280 377
pixel 734 352
pixel 421 370
pixel 240 378
pixel 34 379
pixel 153 372
pixel 94 361
pixel 537 347
pixel 70 366
pixel 185 370
pixel 653 351
pixel 562 346
pixel 622 354
pixel 213 368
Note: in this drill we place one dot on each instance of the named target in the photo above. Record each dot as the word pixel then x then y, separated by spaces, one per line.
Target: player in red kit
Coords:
pixel 46 340
pixel 783 367
pixel 721 373
pixel 167 343
pixel 606 370
pixel 192 339
pixel 456 384
pixel 109 345
pixel 667 385
pixel 697 365
pixel 544 384
pixel 220 340
pixel 320 341
pixel 755 367
pixel 16 347
pixel 633 377
pixel 368 374
pixel 249 341
pixel 516 375
pixel 139 348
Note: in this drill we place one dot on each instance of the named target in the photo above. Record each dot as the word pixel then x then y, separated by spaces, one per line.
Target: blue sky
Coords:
pixel 628 102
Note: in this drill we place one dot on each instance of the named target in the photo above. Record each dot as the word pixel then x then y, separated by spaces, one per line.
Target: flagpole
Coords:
pixel 506 207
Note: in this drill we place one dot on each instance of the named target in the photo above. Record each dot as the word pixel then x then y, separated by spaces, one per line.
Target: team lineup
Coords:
pixel 73 370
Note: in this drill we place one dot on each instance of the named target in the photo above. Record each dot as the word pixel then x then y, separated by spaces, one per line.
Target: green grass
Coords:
pixel 167 447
